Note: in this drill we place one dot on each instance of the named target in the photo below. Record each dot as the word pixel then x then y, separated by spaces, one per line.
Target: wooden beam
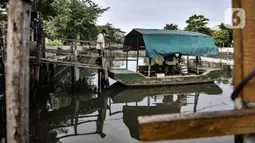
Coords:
pixel 196 125
pixel 66 63
pixel 17 71
pixel 244 49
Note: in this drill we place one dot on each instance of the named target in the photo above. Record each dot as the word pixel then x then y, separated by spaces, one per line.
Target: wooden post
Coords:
pixel 76 68
pixel 76 116
pixel 244 60
pixel 137 56
pixel 127 60
pixel 99 73
pixel 197 69
pixel 149 68
pixel 17 71
pixel 105 65
pixel 188 63
pixel 38 56
pixel 43 46
pixel 4 41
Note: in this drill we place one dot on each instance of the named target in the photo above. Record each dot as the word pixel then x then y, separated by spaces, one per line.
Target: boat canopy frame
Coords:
pixel 158 43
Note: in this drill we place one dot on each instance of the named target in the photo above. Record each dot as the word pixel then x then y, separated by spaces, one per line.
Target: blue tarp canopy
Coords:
pixel 160 42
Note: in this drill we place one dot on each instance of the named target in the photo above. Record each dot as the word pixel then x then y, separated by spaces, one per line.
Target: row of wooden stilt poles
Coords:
pixel 18 70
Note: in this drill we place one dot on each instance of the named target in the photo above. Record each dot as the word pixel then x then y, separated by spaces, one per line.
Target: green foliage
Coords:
pixel 48 8
pixel 72 19
pixel 113 35
pixel 221 37
pixel 230 32
pixel 55 43
pixel 3 17
pixel 198 23
pixel 171 27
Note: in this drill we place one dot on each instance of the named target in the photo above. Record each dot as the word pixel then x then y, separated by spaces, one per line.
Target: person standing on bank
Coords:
pixel 100 41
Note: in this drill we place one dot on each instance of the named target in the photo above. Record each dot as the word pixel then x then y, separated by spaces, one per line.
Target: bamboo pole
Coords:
pixel 17 72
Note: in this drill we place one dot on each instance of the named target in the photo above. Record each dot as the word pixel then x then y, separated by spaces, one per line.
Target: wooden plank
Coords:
pixel 196 125
pixel 17 71
pixel 66 63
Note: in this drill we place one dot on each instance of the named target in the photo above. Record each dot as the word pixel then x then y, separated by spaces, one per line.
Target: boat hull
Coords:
pixel 133 79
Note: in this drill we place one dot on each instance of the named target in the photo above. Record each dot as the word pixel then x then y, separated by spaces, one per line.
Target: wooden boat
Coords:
pixel 159 43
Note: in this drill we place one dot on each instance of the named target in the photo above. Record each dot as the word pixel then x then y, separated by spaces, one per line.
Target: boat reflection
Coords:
pixel 168 105
pixel 56 117
pixel 138 94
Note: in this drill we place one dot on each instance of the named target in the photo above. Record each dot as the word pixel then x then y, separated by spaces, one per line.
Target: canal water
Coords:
pixel 83 116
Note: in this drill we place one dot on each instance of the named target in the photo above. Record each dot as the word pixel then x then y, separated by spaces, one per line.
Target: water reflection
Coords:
pixel 61 116
pixel 85 116
pixel 62 119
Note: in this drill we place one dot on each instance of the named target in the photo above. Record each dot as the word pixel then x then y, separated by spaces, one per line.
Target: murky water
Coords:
pixel 85 116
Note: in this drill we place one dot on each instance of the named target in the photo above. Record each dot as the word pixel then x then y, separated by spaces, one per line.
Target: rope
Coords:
pixel 241 85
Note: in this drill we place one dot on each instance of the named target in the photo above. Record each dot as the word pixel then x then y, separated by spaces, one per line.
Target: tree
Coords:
pixel 230 31
pixel 223 27
pixel 221 37
pixel 114 35
pixel 72 19
pixel 197 23
pixel 171 27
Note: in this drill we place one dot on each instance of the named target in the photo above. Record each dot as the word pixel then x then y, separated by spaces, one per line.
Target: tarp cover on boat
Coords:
pixel 164 42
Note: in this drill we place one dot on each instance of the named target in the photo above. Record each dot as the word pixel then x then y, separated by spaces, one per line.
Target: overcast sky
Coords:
pixel 129 14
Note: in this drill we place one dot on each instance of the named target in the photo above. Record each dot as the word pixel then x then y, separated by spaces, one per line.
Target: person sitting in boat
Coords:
pixel 169 64
pixel 178 63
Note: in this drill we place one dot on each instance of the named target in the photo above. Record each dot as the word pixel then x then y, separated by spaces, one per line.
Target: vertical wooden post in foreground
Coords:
pixel 17 71
pixel 244 59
